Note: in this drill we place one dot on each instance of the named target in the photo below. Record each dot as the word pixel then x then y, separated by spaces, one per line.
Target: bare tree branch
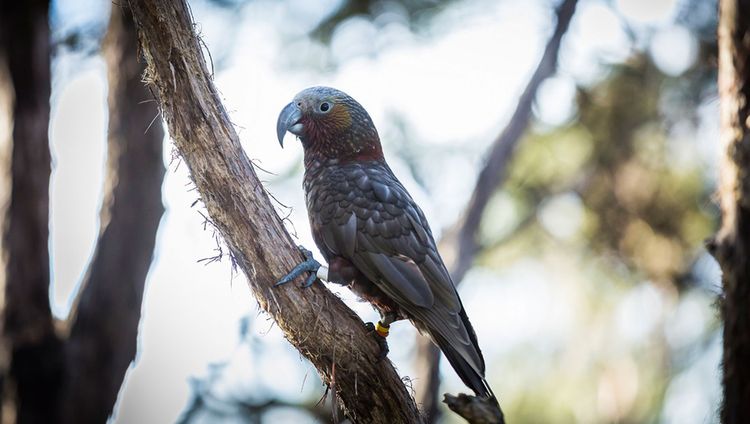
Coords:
pixel 459 245
pixel 731 245
pixel 35 364
pixel 103 336
pixel 464 233
pixel 315 321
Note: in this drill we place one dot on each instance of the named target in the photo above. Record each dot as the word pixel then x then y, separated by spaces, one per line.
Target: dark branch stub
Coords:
pixel 475 410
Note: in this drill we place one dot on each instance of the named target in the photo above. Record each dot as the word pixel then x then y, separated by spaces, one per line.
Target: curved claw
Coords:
pixel 310 280
pixel 309 265
pixel 306 253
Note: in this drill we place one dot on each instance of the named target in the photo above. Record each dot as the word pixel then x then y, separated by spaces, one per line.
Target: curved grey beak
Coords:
pixel 289 120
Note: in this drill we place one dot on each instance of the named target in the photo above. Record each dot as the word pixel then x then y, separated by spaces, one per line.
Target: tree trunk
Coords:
pixel 6 146
pixel 103 338
pixel 731 245
pixel 459 246
pixel 35 367
pixel 315 321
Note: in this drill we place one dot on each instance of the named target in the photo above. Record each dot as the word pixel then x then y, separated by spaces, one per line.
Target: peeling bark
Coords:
pixel 103 337
pixel 731 245
pixel 315 321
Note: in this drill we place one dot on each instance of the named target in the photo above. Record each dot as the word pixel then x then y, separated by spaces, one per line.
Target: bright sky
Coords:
pixel 454 88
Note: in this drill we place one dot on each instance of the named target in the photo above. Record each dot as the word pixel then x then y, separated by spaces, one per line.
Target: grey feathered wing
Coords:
pixel 386 236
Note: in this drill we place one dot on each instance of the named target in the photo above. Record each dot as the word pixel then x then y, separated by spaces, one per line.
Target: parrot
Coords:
pixel 373 236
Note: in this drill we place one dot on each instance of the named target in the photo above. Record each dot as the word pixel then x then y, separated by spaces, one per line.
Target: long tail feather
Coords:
pixel 465 370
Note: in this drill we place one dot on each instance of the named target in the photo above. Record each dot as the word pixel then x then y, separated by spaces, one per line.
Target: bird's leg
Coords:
pixel 380 331
pixel 309 265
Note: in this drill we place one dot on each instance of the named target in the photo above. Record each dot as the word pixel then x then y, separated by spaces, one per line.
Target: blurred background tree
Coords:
pixel 731 243
pixel 592 294
pixel 69 369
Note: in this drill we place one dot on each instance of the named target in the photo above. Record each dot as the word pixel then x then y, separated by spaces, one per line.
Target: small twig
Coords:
pixel 255 164
pixel 152 122
pixel 334 404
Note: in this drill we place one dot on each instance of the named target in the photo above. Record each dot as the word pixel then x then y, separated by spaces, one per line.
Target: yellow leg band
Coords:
pixel 382 329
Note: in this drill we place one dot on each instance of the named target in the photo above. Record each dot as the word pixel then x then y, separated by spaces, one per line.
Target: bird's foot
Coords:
pixel 380 332
pixel 309 265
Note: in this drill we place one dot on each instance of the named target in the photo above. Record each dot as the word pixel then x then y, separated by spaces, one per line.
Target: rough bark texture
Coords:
pixel 104 330
pixel 731 246
pixel 35 367
pixel 315 321
pixel 459 246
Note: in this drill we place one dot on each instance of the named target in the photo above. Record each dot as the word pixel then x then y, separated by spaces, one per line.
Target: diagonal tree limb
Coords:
pixel 105 317
pixel 494 171
pixel 459 245
pixel 315 321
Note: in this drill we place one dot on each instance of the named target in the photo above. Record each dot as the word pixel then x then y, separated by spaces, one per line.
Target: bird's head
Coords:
pixel 330 125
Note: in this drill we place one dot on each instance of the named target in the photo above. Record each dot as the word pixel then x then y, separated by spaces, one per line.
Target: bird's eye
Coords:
pixel 325 107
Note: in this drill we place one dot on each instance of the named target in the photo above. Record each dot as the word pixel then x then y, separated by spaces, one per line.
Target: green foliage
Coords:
pixel 640 206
